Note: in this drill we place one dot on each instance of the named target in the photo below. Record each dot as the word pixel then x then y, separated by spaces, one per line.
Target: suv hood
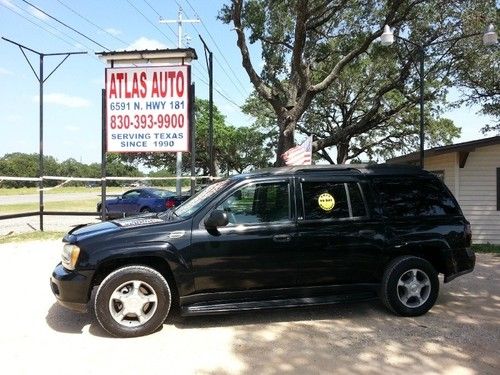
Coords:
pixel 89 230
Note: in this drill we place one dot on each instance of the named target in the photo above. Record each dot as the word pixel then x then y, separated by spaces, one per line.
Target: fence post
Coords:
pixel 193 138
pixel 103 155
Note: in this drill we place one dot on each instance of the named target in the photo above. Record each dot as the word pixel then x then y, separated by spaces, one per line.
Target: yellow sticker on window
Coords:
pixel 326 202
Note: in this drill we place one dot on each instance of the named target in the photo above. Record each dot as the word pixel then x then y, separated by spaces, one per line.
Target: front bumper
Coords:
pixel 72 289
pixel 459 262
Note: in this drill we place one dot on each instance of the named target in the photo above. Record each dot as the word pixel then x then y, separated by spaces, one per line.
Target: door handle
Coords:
pixel 366 233
pixel 282 238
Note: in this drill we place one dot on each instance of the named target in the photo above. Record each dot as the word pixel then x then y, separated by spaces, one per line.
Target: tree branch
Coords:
pixel 263 90
pixel 298 48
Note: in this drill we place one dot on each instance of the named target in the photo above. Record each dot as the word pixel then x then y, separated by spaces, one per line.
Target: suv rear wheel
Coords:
pixel 132 301
pixel 410 286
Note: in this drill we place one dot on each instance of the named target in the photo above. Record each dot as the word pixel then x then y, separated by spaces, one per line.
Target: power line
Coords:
pixel 216 45
pixel 43 28
pixel 216 87
pixel 229 100
pixel 64 24
pixel 92 23
pixel 159 16
pixel 154 10
pixel 239 89
pixel 151 23
pixel 222 68
pixel 221 94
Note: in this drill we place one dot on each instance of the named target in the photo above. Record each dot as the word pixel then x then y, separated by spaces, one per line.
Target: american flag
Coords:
pixel 299 155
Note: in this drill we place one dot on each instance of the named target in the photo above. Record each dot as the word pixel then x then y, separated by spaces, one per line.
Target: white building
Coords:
pixel 471 170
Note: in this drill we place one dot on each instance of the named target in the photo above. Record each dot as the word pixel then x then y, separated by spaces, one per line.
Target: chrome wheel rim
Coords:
pixel 414 288
pixel 133 303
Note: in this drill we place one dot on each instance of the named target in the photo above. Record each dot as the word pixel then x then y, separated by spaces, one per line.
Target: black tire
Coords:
pixel 99 211
pixel 145 210
pixel 144 290
pixel 410 286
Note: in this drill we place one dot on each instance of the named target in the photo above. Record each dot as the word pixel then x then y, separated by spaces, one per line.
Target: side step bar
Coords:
pixel 237 306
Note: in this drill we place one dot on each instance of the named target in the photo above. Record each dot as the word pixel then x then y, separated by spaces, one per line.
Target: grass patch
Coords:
pixel 63 190
pixel 31 236
pixel 84 205
pixel 486 248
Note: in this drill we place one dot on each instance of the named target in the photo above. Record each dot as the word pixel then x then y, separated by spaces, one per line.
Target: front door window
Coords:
pixel 258 203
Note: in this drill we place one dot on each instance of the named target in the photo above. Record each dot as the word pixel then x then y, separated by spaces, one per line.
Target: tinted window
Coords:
pixel 356 198
pixel 131 194
pixel 258 203
pixel 324 200
pixel 406 197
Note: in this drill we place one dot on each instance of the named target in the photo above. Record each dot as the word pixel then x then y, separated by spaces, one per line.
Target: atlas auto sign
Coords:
pixel 147 109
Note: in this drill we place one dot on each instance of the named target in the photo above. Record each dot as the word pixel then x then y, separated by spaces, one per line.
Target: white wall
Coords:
pixel 444 162
pixel 475 189
pixel 478 194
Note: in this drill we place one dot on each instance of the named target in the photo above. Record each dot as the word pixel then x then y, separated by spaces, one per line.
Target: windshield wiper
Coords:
pixel 169 214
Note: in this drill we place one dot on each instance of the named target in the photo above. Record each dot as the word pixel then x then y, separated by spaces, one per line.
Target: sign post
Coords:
pixel 147 102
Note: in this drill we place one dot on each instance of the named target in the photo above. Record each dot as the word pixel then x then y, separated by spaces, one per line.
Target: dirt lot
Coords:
pixel 460 335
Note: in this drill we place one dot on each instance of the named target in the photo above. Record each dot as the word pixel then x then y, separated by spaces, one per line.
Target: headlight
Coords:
pixel 70 256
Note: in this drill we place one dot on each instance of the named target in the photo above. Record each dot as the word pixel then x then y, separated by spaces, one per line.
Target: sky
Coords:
pixel 72 94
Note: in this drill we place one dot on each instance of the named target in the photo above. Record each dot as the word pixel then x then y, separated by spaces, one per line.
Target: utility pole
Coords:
pixel 210 67
pixel 179 21
pixel 41 80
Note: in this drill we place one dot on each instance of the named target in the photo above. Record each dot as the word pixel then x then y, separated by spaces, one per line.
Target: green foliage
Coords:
pixel 31 236
pixel 325 74
pixel 486 248
pixel 372 106
pixel 478 66
pixel 235 148
pixel 27 165
pixel 115 167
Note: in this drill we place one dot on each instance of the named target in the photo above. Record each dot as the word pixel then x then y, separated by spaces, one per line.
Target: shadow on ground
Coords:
pixel 64 320
pixel 460 335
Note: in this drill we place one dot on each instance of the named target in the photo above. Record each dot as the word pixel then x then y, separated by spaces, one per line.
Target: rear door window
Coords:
pixel 410 197
pixel 332 200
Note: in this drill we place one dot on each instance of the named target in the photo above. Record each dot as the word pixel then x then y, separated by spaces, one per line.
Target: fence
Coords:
pixel 103 184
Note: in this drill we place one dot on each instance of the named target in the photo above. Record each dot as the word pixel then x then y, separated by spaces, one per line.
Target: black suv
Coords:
pixel 281 237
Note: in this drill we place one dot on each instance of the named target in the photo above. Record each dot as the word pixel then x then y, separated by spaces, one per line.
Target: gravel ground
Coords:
pixel 50 223
pixel 460 335
pixel 34 198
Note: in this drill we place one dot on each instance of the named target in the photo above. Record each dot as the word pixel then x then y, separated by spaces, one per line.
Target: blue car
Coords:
pixel 141 200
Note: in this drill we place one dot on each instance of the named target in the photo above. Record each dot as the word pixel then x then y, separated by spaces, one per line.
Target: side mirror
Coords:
pixel 216 219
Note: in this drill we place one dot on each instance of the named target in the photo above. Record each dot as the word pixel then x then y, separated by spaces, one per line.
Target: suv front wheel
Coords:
pixel 132 301
pixel 410 286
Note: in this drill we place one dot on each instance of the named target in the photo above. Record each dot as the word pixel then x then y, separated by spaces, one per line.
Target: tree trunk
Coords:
pixel 285 139
pixel 342 151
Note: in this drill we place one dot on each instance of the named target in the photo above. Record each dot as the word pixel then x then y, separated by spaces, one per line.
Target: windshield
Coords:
pixel 198 200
